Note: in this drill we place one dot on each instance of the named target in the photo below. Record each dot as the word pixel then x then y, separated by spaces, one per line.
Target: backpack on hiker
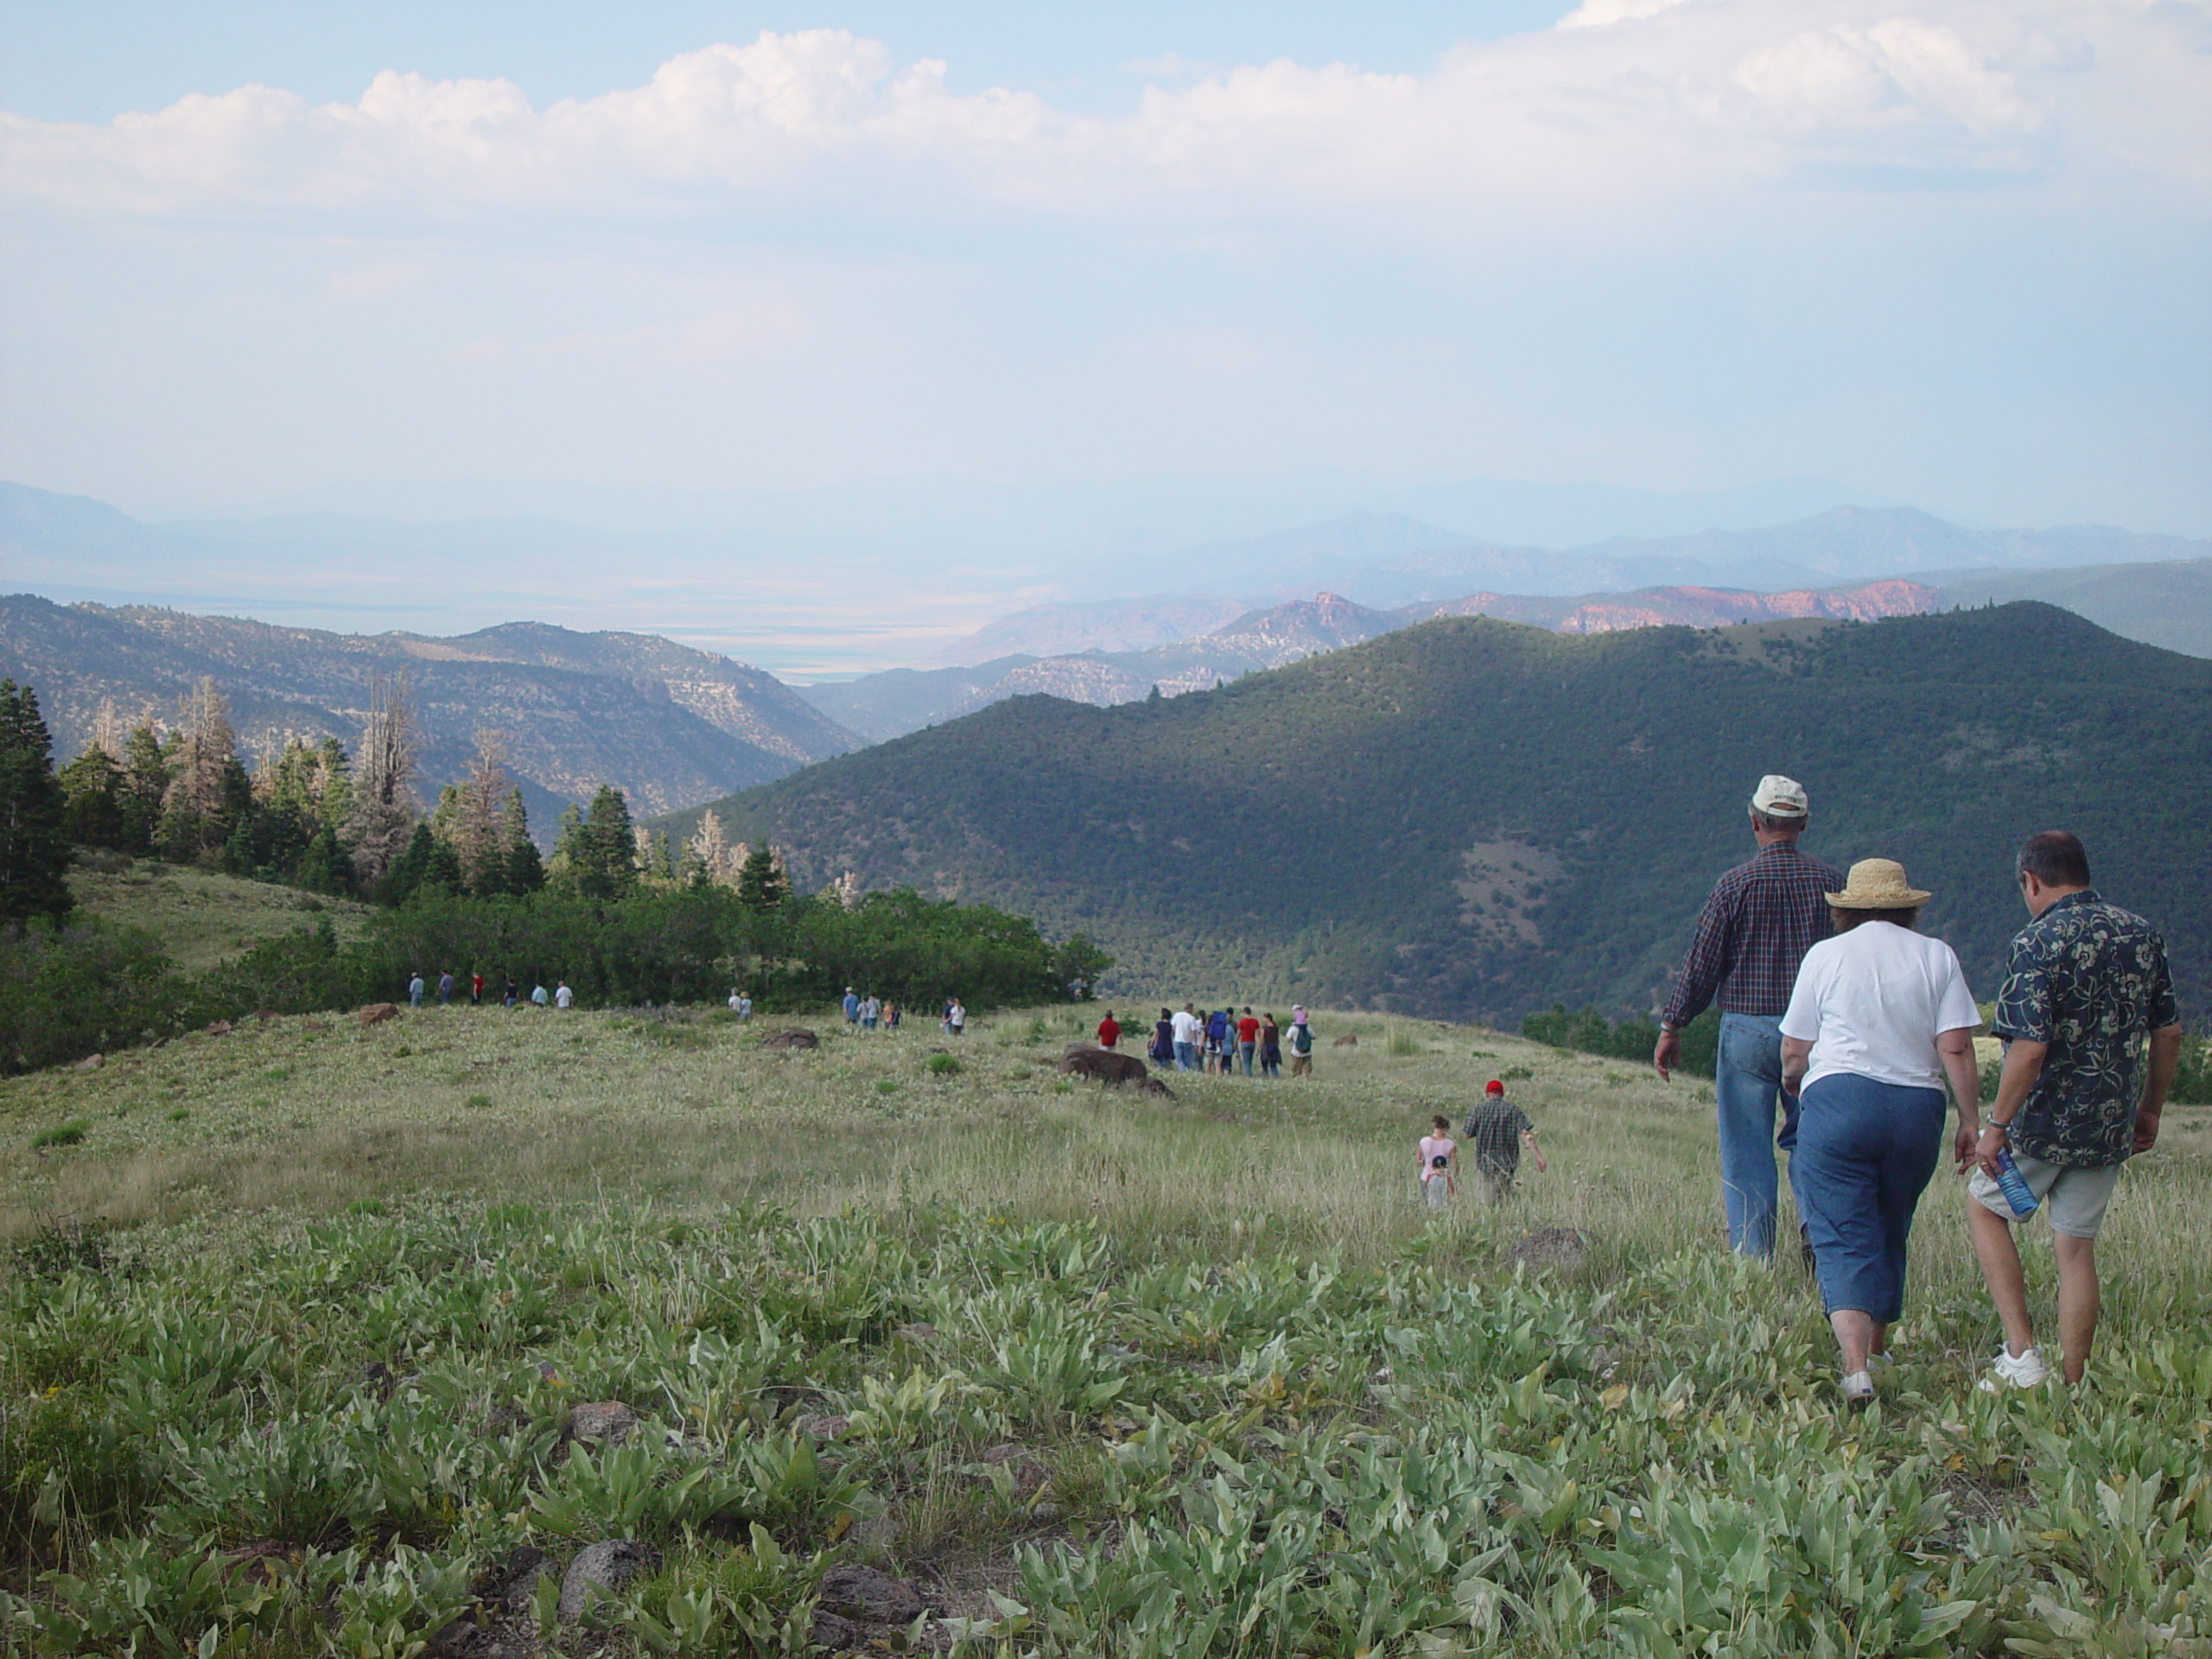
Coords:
pixel 1301 1039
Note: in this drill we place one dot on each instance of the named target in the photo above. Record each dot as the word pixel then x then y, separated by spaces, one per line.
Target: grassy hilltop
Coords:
pixel 299 1314
pixel 201 917
pixel 1473 817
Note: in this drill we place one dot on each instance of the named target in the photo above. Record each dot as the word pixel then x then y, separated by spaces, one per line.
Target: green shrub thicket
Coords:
pixel 76 990
pixel 1591 1032
pixel 316 1444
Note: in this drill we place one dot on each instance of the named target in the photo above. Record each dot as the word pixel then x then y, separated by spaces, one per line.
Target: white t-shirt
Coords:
pixel 1872 1000
pixel 564 997
pixel 1187 1025
pixel 1434 1146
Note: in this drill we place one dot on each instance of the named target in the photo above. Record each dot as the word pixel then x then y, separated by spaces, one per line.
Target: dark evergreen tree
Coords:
pixel 146 774
pixel 403 875
pixel 324 867
pixel 520 869
pixel 34 850
pixel 599 849
pixel 92 791
pixel 441 871
pixel 761 883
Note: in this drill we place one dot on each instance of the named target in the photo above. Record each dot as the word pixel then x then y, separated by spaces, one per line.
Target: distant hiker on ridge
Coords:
pixel 1761 919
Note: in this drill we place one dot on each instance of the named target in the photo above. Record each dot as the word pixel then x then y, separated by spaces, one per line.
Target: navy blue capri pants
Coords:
pixel 1865 1151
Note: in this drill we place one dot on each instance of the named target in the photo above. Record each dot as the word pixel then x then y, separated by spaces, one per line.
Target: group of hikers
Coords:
pixel 867 1012
pixel 559 997
pixel 1222 1042
pixel 1836 1010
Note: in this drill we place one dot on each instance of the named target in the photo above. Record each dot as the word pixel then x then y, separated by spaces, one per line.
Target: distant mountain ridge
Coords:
pixel 1470 816
pixel 2167 604
pixel 667 725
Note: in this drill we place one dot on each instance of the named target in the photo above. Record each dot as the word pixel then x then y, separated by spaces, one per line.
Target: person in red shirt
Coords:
pixel 1109 1033
pixel 1248 1039
pixel 475 989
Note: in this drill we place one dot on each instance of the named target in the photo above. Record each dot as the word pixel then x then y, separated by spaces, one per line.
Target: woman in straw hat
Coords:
pixel 1878 1017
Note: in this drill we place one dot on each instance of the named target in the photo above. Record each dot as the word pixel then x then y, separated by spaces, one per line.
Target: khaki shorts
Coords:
pixel 2075 1200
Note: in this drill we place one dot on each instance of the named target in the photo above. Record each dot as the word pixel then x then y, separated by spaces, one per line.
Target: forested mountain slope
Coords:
pixel 1473 817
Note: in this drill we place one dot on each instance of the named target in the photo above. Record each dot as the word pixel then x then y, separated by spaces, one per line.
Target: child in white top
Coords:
pixel 1440 1165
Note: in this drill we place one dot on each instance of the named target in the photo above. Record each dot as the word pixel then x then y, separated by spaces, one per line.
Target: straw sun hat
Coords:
pixel 1877 884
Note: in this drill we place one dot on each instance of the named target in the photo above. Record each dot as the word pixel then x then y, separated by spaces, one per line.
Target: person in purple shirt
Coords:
pixel 1761 919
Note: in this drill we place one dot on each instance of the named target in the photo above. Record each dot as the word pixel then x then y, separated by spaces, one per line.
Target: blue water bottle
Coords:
pixel 2017 1191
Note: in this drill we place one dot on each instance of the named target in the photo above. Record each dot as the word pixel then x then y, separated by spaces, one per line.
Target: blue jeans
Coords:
pixel 1865 1153
pixel 1747 1083
pixel 1244 1053
pixel 1186 1057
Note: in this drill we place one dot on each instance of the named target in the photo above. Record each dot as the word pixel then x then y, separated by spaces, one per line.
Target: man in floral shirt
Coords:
pixel 2092 1034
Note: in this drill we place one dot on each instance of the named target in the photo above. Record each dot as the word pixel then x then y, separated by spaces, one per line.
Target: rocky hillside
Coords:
pixel 667 725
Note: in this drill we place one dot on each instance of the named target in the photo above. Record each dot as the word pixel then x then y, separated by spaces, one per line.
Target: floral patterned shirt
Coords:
pixel 2089 979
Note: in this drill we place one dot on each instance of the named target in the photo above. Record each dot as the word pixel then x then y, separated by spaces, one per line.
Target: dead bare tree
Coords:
pixel 385 808
pixel 206 750
pixel 478 835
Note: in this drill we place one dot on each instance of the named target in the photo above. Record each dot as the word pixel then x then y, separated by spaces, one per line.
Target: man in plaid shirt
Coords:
pixel 1761 920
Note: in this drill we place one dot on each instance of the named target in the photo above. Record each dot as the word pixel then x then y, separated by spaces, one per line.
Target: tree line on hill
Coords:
pixel 621 915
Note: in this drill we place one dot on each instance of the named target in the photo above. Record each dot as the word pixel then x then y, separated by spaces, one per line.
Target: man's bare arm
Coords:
pixel 2022 1065
pixel 2165 1060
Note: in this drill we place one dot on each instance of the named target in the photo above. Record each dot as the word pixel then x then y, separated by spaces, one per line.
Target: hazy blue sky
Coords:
pixel 1950 251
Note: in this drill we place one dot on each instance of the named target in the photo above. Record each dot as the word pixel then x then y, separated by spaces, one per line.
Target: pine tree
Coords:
pixel 761 884
pixel 145 782
pixel 402 876
pixel 598 847
pixel 324 867
pixel 92 789
pixel 441 870
pixel 34 852
pixel 525 871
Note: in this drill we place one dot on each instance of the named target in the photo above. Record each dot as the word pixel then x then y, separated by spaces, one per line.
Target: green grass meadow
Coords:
pixel 297 1315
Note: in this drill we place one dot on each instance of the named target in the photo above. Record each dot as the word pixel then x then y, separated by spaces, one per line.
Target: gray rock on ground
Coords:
pixel 850 1591
pixel 1553 1247
pixel 591 1422
pixel 792 1037
pixel 607 1565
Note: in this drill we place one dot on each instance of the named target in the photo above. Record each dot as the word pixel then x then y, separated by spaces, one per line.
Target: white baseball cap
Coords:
pixel 1779 797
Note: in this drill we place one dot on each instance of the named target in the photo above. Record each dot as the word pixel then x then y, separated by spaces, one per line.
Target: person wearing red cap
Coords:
pixel 1498 1130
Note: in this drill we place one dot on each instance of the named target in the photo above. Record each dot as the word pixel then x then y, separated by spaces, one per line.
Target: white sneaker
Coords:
pixel 1858 1390
pixel 2007 1370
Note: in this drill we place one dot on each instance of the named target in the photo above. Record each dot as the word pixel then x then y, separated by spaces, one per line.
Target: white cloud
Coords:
pixel 1601 14
pixel 1694 98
